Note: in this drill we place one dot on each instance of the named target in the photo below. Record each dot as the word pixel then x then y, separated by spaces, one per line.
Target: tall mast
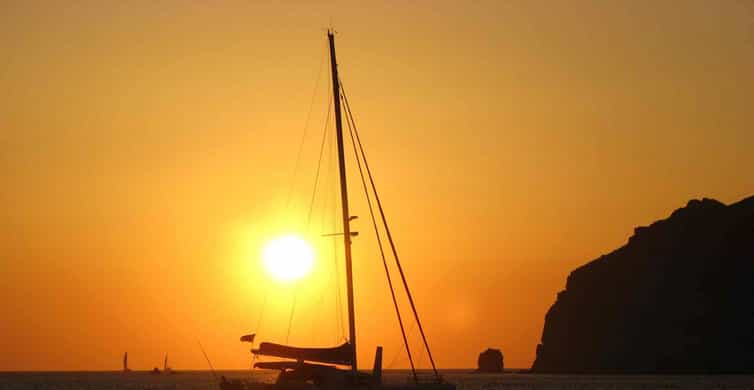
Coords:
pixel 343 197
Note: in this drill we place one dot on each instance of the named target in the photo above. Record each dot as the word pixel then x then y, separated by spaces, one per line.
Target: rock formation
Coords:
pixel 490 360
pixel 677 298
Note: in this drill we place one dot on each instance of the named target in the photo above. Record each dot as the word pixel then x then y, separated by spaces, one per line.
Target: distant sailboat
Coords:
pixel 125 363
pixel 165 368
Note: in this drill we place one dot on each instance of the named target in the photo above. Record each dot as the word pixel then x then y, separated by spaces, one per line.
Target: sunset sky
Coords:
pixel 148 152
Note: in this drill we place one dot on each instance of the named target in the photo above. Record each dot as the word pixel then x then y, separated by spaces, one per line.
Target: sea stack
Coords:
pixel 490 360
pixel 677 298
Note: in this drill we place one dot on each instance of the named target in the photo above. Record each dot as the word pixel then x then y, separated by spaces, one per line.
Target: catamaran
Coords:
pixel 321 368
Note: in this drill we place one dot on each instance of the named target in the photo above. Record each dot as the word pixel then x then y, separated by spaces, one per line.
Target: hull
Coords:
pixel 244 385
pixel 307 376
pixel 313 377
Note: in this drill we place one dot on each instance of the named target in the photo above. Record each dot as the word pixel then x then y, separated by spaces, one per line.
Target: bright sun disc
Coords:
pixel 288 258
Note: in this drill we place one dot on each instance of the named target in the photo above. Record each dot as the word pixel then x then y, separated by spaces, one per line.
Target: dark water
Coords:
pixel 203 380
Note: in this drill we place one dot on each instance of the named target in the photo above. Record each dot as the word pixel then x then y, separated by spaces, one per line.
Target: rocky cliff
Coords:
pixel 677 298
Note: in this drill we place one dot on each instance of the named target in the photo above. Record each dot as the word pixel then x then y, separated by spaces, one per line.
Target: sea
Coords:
pixel 464 380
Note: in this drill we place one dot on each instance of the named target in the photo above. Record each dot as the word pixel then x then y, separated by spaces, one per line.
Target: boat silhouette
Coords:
pixel 125 363
pixel 318 368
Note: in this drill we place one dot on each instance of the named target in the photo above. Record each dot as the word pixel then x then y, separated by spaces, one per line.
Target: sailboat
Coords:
pixel 125 363
pixel 319 368
pixel 165 368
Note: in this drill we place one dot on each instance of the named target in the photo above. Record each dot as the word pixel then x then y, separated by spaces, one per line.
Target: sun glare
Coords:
pixel 288 258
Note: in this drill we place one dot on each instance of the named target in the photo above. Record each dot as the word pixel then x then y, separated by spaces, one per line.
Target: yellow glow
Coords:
pixel 288 258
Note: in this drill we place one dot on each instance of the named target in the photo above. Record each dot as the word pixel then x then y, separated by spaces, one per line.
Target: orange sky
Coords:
pixel 147 150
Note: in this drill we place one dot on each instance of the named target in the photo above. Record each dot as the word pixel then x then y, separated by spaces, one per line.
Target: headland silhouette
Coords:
pixel 677 298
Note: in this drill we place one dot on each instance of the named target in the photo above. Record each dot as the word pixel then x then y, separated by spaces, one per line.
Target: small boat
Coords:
pixel 320 368
pixel 165 368
pixel 125 363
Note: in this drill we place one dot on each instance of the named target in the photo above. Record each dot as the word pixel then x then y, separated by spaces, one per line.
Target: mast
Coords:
pixel 343 198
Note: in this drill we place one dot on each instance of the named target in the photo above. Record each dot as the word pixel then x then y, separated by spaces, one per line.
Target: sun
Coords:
pixel 288 258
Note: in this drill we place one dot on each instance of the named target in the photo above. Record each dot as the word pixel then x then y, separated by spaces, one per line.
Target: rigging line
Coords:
pixel 290 318
pixel 207 357
pixel 334 225
pixel 323 223
pixel 413 325
pixel 319 165
pixel 389 236
pixel 398 353
pixel 338 295
pixel 311 208
pixel 330 180
pixel 259 320
pixel 316 306
pixel 326 179
pixel 379 244
pixel 322 226
pixel 306 127
pixel 261 314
